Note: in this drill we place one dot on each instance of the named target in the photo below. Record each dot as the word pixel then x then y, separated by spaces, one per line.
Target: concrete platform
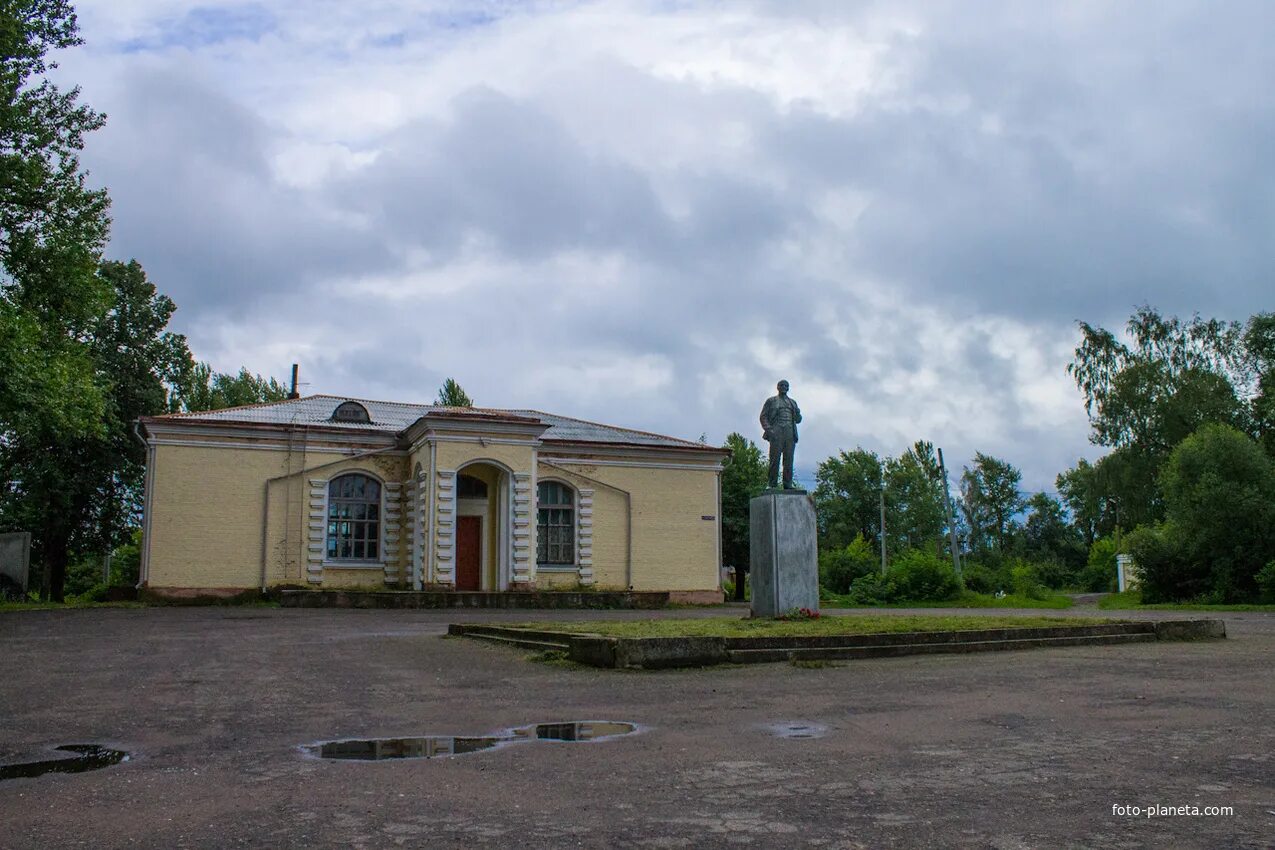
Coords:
pixel 700 651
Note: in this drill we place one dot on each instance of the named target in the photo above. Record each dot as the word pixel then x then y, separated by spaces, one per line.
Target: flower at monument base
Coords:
pixel 799 614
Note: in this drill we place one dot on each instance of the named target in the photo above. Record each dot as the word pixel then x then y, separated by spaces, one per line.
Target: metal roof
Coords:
pixel 392 417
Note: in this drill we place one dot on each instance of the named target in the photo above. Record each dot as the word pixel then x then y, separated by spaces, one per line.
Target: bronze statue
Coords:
pixel 779 418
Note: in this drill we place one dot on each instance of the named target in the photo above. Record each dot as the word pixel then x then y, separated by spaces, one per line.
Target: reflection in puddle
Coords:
pixel 433 746
pixel 89 757
pixel 798 729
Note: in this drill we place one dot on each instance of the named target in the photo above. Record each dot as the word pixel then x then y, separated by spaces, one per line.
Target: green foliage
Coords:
pixel 873 589
pixel 743 478
pixel 200 388
pixel 1266 584
pixel 1099 574
pixel 1219 492
pixel 52 229
pixel 839 568
pixel 450 394
pixel 1166 573
pixel 922 575
pixel 1052 543
pixel 980 578
pixel 847 494
pixel 1025 580
pixel 915 513
pixel 990 499
pixel 916 576
pixel 81 492
pixel 1146 396
pixel 857 624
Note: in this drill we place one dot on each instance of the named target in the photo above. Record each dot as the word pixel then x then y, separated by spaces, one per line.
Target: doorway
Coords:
pixel 469 552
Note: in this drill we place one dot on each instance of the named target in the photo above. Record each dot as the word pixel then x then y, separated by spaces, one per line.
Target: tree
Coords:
pixel 82 492
pixel 451 395
pixel 991 499
pixel 52 230
pixel 743 479
pixel 1219 492
pixel 204 389
pixel 1081 490
pixel 1173 376
pixel 847 494
pixel 915 513
pixel 1051 542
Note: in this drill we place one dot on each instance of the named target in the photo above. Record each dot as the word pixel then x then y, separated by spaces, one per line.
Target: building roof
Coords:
pixel 393 417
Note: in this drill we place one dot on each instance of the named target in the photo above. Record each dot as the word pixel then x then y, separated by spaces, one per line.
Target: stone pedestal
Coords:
pixel 784 567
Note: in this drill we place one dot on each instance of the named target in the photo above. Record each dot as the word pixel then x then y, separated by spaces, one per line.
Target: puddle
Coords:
pixel 797 729
pixel 435 746
pixel 88 757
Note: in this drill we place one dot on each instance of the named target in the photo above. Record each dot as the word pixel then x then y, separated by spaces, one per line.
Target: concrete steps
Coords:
pixel 832 653
pixel 524 638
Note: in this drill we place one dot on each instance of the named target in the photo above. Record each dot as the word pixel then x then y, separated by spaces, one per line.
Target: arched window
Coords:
pixel 555 524
pixel 469 487
pixel 350 411
pixel 354 518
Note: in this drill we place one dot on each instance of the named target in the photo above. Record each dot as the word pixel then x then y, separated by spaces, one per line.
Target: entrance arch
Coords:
pixel 482 526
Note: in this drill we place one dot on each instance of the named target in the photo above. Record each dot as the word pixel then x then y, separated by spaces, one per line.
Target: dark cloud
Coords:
pixel 910 255
pixel 195 200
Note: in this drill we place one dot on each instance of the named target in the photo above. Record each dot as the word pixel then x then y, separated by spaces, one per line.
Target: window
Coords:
pixel 555 524
pixel 350 411
pixel 469 487
pixel 354 518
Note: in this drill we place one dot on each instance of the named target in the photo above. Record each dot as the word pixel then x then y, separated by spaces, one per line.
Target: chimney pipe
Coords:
pixel 293 392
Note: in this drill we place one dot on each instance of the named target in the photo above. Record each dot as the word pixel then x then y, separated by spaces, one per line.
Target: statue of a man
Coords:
pixel 779 418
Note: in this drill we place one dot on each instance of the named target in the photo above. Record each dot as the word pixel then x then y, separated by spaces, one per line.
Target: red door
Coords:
pixel 469 549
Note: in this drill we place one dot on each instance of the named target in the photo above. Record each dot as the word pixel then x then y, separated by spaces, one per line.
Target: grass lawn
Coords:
pixel 1131 600
pixel 967 599
pixel 850 625
pixel 60 606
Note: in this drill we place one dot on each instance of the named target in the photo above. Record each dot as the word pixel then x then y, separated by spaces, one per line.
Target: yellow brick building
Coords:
pixel 332 492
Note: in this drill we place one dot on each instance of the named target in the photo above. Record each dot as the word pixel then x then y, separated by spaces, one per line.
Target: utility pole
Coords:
pixel 882 495
pixel 951 516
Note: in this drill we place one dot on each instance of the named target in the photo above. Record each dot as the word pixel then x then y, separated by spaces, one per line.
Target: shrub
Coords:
pixel 1167 574
pixel 838 568
pixel 1099 575
pixel 983 579
pixel 1266 583
pixel 1056 574
pixel 96 593
pixel 1219 495
pixel 923 576
pixel 1025 581
pixel 873 589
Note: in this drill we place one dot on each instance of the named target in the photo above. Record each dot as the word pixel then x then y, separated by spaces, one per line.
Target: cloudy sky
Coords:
pixel 648 212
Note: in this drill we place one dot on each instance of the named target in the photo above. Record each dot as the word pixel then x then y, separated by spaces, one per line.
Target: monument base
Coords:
pixel 784 568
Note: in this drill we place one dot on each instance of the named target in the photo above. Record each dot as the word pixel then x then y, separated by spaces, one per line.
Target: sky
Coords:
pixel 647 213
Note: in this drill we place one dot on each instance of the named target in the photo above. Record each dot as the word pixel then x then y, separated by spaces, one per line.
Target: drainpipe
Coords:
pixel 628 517
pixel 265 522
